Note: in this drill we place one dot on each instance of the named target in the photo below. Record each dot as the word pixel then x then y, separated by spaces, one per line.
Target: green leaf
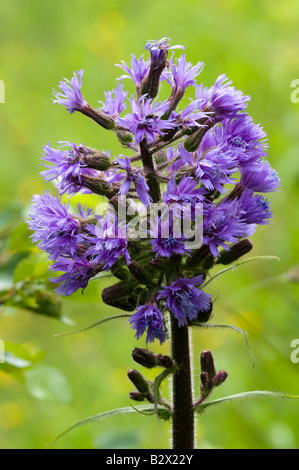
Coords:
pixel 35 297
pixel 8 218
pixel 48 383
pixel 20 238
pixel 232 327
pixel 8 267
pixel 93 325
pixel 157 384
pixel 241 396
pixel 18 359
pixel 33 267
pixel 99 417
pixel 236 265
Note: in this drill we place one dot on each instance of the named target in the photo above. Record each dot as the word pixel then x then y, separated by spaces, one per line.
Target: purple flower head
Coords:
pixel 70 95
pixel 166 247
pixel 114 104
pixel 166 236
pixel 254 209
pixel 133 175
pixel 215 168
pixel 56 231
pixel 137 72
pixel 158 49
pixel 150 319
pixel 260 178
pixel 223 224
pixel 190 115
pixel 186 191
pixel 223 99
pixel 145 120
pixel 241 133
pixel 65 166
pixel 84 211
pixel 105 244
pixel 77 273
pixel 184 300
pixel 184 74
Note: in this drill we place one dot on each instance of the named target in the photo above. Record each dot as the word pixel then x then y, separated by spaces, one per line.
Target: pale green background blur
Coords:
pixel 256 44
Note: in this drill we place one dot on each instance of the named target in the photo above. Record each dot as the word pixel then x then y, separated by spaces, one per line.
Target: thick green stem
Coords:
pixel 183 413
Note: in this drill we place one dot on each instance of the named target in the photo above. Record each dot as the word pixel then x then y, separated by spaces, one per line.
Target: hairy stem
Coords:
pixel 150 174
pixel 183 413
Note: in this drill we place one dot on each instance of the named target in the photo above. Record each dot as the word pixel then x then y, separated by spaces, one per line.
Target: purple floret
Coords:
pixel 56 231
pixel 260 178
pixel 70 95
pixel 254 209
pixel 222 98
pixel 137 72
pixel 133 175
pixel 184 300
pixel 157 49
pixel 148 318
pixel 145 120
pixel 183 73
pixel 77 273
pixel 105 246
pixel 223 224
pixel 115 101
pixel 186 191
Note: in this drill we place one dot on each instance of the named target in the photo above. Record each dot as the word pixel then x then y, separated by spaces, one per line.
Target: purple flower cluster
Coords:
pixel 207 155
pixel 66 167
pixel 185 300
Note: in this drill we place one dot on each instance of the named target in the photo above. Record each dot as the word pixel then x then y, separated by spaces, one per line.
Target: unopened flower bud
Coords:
pixel 157 263
pixel 96 160
pixel 149 396
pixel 124 137
pixel 98 186
pixel 207 363
pixel 165 361
pixel 161 157
pixel 120 296
pixel 220 377
pixel 121 289
pixel 198 256
pixel 119 272
pixel 139 381
pixel 193 141
pixel 144 357
pixel 208 262
pixel 122 304
pixel 137 396
pixel 206 382
pixel 236 251
pixel 139 273
pixel 204 315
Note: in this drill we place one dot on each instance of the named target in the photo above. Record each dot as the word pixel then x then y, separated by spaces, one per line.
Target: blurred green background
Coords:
pixel 256 45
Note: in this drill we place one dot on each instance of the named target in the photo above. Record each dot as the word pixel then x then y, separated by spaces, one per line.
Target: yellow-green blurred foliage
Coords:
pixel 256 44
